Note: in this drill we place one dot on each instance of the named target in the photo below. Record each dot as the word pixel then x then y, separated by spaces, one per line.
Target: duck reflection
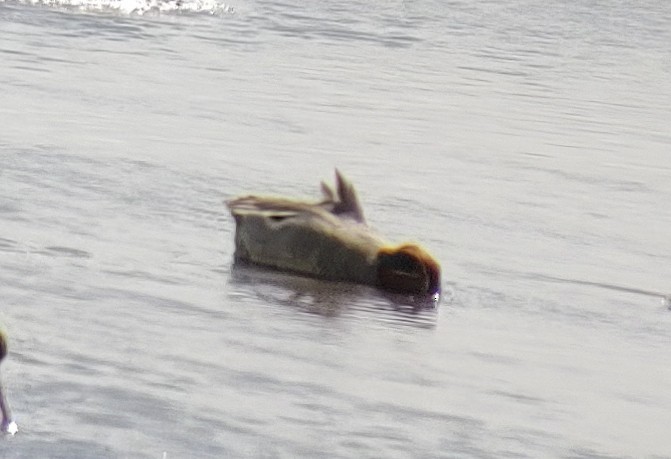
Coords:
pixel 330 299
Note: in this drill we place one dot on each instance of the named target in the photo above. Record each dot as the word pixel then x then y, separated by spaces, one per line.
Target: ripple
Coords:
pixel 65 252
pixel 331 299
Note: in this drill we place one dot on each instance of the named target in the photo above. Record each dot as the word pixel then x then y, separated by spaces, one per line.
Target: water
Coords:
pixel 526 145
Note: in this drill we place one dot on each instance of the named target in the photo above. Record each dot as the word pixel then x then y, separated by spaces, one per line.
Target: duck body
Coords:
pixel 328 239
pixel 304 238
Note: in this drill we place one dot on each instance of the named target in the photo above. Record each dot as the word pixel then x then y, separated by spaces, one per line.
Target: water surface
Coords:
pixel 526 145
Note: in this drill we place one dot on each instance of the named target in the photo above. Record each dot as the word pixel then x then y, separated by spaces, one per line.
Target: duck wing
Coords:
pixel 270 207
pixel 342 202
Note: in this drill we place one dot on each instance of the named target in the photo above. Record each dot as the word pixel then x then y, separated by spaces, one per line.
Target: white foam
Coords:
pixel 12 428
pixel 140 7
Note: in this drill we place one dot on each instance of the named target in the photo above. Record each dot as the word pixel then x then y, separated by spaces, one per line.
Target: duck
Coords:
pixel 7 424
pixel 329 239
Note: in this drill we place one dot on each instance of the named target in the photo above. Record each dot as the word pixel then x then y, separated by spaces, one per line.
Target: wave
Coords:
pixel 138 7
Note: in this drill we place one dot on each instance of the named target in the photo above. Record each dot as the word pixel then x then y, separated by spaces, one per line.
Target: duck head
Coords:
pixel 408 269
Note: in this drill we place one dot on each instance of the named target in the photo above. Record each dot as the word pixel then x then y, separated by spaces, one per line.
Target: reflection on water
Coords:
pixel 330 299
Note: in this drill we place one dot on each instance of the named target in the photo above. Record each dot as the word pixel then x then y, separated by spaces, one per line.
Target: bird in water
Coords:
pixel 329 239
pixel 8 425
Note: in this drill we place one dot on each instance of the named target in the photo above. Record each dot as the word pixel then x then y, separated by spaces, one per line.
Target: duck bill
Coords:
pixel 8 425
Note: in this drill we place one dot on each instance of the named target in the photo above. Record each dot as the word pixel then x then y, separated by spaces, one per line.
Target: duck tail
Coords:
pixel 347 199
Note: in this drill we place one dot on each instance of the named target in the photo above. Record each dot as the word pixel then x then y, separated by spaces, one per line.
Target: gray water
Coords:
pixel 524 143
